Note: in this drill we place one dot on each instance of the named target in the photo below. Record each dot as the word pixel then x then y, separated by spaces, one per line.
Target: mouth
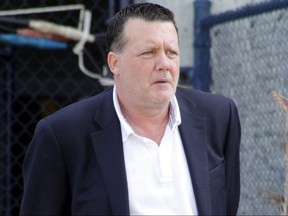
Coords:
pixel 161 82
pixel 164 81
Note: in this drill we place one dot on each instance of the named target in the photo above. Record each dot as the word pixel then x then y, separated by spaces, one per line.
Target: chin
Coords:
pixel 163 98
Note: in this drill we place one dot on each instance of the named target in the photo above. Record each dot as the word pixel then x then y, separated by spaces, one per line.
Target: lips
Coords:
pixel 161 81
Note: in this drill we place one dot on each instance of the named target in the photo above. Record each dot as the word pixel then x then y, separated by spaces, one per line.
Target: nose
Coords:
pixel 162 62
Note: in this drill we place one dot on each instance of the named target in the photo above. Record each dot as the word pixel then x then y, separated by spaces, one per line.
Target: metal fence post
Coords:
pixel 202 71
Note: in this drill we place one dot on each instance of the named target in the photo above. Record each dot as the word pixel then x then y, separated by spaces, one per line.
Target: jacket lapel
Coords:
pixel 193 135
pixel 108 148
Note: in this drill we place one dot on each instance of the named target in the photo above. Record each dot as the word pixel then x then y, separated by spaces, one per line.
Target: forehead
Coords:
pixel 137 29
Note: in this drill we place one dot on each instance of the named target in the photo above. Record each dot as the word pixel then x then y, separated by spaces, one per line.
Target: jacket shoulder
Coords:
pixel 202 100
pixel 86 107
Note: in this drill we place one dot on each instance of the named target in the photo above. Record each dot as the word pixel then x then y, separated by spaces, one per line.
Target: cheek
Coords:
pixel 176 74
pixel 131 75
pixel 139 71
pixel 176 70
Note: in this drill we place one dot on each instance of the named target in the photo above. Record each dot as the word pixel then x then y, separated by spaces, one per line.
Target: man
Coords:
pixel 137 148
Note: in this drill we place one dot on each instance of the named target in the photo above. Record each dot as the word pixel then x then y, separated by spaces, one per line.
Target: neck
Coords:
pixel 147 123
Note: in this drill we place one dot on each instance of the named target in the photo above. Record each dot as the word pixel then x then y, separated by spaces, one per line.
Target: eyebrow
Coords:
pixel 152 46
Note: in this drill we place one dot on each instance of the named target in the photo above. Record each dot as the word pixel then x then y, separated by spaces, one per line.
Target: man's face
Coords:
pixel 147 69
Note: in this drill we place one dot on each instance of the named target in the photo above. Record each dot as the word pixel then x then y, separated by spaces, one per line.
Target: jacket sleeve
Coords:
pixel 232 161
pixel 44 173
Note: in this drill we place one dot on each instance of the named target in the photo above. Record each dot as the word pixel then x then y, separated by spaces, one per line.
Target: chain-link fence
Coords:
pixel 249 59
pixel 36 82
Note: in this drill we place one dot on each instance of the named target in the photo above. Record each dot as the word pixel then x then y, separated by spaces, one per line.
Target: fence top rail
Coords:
pixel 243 12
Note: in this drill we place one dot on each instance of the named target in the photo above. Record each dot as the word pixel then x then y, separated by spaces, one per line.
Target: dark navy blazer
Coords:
pixel 75 162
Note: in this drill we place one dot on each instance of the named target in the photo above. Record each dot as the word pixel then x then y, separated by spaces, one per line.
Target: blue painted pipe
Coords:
pixel 201 79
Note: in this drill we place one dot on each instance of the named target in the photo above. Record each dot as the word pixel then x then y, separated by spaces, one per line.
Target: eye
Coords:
pixel 147 54
pixel 172 53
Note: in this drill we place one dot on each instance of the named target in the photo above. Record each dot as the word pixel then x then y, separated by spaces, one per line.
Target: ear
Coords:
pixel 112 60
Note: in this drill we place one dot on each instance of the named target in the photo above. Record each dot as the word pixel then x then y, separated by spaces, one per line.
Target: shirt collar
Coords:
pixel 126 130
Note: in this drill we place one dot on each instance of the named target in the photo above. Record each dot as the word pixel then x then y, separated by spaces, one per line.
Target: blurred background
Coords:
pixel 230 47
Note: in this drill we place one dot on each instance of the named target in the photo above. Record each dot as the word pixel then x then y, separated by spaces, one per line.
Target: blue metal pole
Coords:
pixel 124 3
pixel 202 72
pixel 111 9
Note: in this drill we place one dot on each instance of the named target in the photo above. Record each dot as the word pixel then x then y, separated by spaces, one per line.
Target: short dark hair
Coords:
pixel 145 11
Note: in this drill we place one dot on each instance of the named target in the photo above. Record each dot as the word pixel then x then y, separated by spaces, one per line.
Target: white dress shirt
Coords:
pixel 158 177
